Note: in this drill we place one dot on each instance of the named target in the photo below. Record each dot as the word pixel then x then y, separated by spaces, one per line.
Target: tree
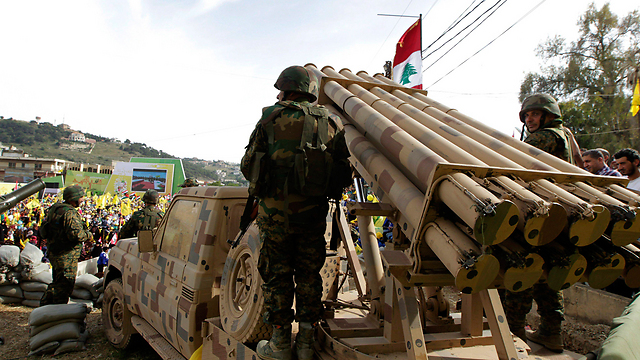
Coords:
pixel 408 70
pixel 590 78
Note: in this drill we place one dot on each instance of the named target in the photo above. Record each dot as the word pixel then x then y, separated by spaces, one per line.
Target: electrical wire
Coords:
pixel 490 42
pixel 498 3
pixel 454 24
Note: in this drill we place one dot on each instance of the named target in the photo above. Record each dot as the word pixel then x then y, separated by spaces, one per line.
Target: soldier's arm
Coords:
pixel 257 143
pixel 127 230
pixel 74 227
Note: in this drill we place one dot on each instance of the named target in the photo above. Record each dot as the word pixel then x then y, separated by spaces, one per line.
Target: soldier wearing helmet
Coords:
pixel 291 214
pixel 189 182
pixel 144 219
pixel 542 117
pixel 65 231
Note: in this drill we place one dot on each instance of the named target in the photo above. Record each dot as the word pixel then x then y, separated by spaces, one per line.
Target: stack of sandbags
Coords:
pixel 84 290
pixel 99 288
pixel 36 275
pixel 10 291
pixel 58 329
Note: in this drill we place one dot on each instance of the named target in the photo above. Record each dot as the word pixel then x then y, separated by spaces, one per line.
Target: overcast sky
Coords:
pixel 191 77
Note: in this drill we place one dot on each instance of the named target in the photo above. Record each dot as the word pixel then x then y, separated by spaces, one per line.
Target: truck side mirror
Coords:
pixel 145 241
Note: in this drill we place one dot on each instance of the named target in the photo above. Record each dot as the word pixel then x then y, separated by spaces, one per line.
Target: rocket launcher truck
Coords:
pixel 471 207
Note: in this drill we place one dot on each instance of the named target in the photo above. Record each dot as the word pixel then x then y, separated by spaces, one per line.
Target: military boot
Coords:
pixel 550 340
pixel 279 347
pixel 305 341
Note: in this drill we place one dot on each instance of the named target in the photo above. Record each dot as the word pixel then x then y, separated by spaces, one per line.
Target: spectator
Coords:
pixel 595 163
pixel 628 160
pixel 605 155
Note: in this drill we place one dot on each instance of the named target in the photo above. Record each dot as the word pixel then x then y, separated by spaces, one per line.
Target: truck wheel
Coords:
pixel 241 299
pixel 116 317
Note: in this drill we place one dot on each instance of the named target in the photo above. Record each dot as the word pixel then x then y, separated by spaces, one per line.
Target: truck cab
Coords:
pixel 171 289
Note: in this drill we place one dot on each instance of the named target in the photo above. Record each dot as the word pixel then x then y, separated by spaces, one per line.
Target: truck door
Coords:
pixel 161 281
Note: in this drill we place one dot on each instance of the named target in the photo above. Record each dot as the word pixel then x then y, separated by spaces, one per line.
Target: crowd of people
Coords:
pixel 104 216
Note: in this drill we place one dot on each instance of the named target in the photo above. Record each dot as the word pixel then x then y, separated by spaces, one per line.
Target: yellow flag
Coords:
pixel 114 200
pixel 33 203
pixel 125 207
pixel 635 102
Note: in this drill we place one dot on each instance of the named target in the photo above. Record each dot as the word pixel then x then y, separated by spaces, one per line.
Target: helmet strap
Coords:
pixel 522 132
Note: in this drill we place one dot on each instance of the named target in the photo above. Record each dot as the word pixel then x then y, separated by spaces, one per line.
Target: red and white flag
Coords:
pixel 407 64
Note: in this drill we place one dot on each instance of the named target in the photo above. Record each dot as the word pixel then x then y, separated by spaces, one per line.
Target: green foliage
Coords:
pixel 589 77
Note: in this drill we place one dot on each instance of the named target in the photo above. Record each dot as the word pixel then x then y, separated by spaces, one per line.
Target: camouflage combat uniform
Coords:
pixel 299 248
pixel 144 219
pixel 552 138
pixel 66 235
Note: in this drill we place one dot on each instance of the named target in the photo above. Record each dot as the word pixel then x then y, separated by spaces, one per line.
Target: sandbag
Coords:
pixel 87 303
pixel 50 313
pixel 11 290
pixel 33 295
pixel 33 286
pixel 9 300
pixel 10 278
pixel 79 293
pixel 71 345
pixel 35 330
pixel 98 302
pixel 30 256
pixel 9 255
pixel 28 274
pixel 46 348
pixel 44 277
pixel 31 303
pixel 99 286
pixel 69 330
pixel 86 281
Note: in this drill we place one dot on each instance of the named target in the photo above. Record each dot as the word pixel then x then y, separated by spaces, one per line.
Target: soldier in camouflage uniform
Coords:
pixel 189 182
pixel 292 225
pixel 542 116
pixel 144 219
pixel 65 231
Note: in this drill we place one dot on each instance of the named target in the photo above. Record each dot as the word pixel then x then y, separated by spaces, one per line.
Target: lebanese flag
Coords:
pixel 407 64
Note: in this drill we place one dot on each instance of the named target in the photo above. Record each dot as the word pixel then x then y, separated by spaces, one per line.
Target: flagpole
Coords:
pixel 420 36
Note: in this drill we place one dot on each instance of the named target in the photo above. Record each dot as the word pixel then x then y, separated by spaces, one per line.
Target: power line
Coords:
pixel 469 33
pixel 608 132
pixel 454 24
pixel 490 42
pixel 432 5
pixel 202 132
pixel 466 27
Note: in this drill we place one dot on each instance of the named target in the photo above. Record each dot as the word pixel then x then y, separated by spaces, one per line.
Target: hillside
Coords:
pixel 45 140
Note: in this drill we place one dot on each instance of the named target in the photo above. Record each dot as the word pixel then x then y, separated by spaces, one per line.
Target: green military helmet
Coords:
pixel 540 101
pixel 150 197
pixel 298 79
pixel 73 193
pixel 189 182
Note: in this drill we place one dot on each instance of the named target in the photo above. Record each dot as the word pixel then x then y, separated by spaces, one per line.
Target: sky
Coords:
pixel 191 77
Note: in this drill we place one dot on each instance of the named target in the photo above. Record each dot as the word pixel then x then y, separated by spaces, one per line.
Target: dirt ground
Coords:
pixel 15 331
pixel 578 337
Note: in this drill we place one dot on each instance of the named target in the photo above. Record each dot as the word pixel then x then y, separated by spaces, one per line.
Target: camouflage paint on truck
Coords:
pixel 177 287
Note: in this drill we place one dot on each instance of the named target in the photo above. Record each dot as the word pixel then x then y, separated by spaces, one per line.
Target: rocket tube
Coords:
pixel 415 160
pixel 473 271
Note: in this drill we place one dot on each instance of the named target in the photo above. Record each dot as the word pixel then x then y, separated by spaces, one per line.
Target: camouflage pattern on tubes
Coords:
pixel 435 137
pixel 583 212
pixel 418 161
pixel 401 192
pixel 448 242
pixel 622 232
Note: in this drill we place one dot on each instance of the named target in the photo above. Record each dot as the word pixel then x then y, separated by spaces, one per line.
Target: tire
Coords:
pixel 241 299
pixel 116 317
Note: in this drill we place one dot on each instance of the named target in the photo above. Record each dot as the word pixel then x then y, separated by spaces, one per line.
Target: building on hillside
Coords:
pixel 77 136
pixel 64 126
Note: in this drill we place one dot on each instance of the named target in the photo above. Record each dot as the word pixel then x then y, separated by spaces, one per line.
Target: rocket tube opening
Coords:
pixel 542 230
pixel 517 279
pixel 583 232
pixel 625 232
pixel 604 275
pixel 561 276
